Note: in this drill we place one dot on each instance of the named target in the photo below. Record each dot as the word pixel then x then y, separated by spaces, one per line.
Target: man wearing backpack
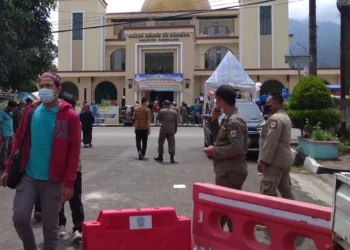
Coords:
pixel 49 164
pixel 6 131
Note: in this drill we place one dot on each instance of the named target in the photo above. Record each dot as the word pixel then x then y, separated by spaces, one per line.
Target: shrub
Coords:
pixel 310 93
pixel 327 117
pixel 311 101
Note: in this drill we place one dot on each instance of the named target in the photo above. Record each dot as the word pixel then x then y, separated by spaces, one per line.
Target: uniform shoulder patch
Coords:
pixel 233 133
pixel 273 124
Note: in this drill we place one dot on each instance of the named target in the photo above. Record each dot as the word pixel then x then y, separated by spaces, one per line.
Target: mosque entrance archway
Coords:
pixel 105 91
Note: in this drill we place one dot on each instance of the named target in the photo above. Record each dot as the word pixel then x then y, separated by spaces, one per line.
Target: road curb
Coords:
pixel 313 166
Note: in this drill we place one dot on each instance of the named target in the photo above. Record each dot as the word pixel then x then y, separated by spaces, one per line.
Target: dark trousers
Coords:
pixel 141 136
pixel 75 204
pixel 87 135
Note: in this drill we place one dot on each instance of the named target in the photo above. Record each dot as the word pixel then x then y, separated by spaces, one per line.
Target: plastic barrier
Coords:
pixel 131 229
pixel 285 220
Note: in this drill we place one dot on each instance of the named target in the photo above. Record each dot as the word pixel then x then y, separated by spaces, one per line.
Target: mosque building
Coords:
pixel 170 48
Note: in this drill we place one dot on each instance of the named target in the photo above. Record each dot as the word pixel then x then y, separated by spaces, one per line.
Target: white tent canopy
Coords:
pixel 230 72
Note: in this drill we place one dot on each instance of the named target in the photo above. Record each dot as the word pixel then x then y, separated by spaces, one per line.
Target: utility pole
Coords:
pixel 313 37
pixel 344 8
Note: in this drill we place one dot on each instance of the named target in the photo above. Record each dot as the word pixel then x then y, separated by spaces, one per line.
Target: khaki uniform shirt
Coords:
pixel 231 143
pixel 274 146
pixel 168 120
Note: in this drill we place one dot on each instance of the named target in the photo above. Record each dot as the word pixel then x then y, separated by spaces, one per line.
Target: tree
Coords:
pixel 311 101
pixel 26 41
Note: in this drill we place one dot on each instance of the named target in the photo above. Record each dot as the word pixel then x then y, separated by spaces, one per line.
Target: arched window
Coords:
pixel 70 88
pixel 216 31
pixel 214 56
pixel 271 86
pixel 121 34
pixel 105 91
pixel 118 60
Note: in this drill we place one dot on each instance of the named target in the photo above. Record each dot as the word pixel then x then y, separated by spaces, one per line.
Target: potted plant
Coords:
pixel 321 144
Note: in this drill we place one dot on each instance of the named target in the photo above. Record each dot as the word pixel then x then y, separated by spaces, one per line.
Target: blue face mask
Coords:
pixel 46 95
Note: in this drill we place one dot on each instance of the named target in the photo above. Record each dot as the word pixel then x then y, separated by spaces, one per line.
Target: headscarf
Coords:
pixel 87 108
pixel 53 76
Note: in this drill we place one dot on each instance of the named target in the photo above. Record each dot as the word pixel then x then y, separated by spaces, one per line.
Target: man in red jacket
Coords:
pixel 49 162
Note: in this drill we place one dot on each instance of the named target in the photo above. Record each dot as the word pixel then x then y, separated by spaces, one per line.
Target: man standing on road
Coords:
pixel 231 144
pixel 142 118
pixel 49 162
pixel 168 129
pixel 6 120
pixel 275 156
pixel 155 112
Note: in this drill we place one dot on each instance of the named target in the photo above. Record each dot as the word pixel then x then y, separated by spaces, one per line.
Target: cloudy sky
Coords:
pixel 298 9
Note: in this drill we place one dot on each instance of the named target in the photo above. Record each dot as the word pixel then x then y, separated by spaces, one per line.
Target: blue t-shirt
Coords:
pixel 42 134
pixel 196 108
pixel 7 123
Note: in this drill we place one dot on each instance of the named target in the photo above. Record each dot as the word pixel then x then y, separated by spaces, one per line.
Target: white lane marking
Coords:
pixel 266 210
pixel 179 186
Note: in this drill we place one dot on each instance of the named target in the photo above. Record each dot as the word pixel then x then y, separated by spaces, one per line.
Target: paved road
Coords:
pixel 114 178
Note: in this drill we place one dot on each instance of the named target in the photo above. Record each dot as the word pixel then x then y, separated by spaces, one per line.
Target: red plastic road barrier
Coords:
pixel 131 229
pixel 285 220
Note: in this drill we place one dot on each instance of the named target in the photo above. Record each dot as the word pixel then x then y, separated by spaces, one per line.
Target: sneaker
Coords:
pixel 77 236
pixel 37 216
pixel 140 156
pixel 62 231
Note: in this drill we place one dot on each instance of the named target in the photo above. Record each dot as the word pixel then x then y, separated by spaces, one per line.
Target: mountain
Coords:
pixel 328 41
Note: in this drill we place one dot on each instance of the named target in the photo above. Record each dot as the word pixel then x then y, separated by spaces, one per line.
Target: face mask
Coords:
pixel 267 109
pixel 46 95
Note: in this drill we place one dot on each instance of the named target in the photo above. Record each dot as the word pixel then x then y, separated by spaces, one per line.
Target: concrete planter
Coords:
pixel 323 150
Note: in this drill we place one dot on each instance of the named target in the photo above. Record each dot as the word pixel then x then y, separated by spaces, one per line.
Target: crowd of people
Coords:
pixel 185 114
pixel 47 137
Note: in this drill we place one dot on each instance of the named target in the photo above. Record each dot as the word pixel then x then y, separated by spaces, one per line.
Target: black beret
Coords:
pixel 226 92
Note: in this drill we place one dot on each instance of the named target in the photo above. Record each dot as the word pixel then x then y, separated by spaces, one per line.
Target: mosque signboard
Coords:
pixel 159 82
pixel 159 37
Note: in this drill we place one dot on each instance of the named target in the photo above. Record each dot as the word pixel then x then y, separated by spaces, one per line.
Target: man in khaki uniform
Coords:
pixel 168 129
pixel 275 156
pixel 231 143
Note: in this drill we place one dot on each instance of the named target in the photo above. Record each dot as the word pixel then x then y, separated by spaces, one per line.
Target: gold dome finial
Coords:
pixel 177 5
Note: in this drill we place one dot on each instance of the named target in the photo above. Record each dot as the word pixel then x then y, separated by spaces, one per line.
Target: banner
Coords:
pixel 159 82
pixel 105 114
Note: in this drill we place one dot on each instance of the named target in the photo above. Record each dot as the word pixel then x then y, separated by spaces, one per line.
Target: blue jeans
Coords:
pixel 6 148
pixel 195 118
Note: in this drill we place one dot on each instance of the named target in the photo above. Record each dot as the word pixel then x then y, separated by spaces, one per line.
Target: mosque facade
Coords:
pixel 170 48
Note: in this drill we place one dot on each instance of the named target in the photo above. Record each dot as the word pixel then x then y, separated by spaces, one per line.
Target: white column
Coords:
pixel 181 97
pixel 135 97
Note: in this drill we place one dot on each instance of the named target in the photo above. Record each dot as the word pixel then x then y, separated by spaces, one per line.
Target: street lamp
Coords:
pixel 130 82
pixel 187 83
